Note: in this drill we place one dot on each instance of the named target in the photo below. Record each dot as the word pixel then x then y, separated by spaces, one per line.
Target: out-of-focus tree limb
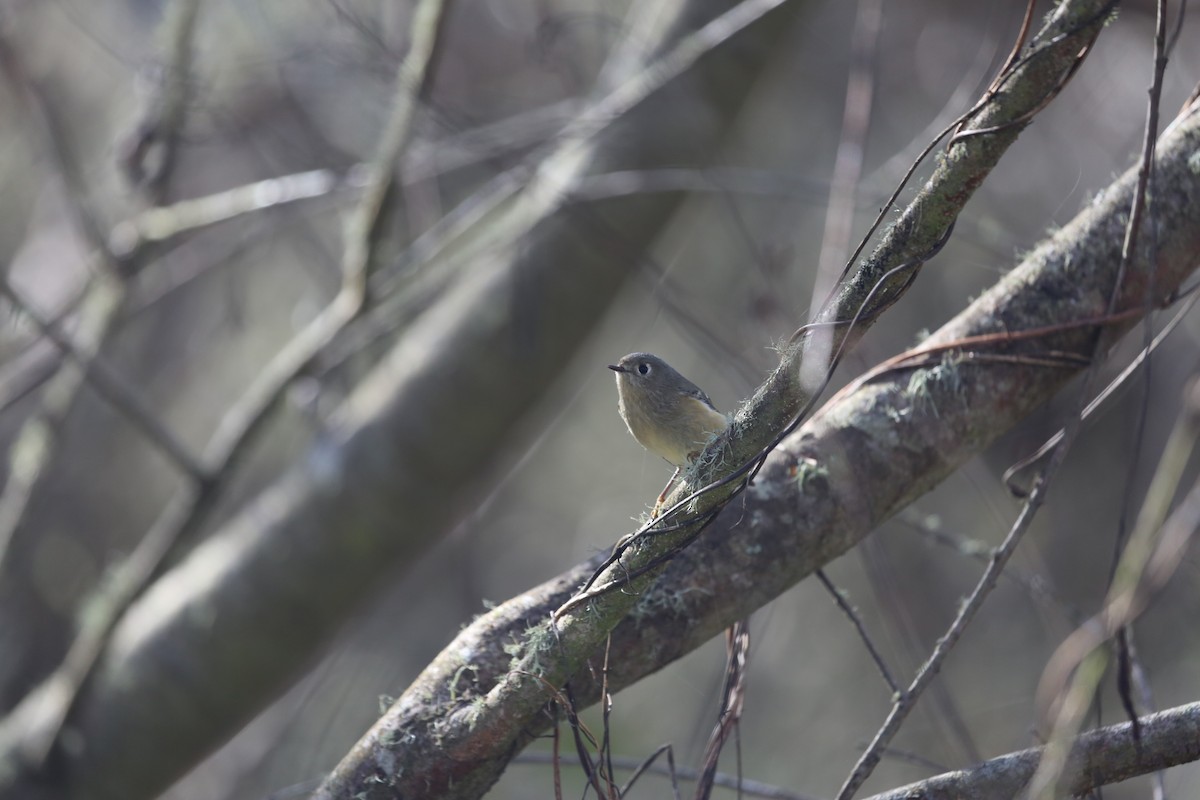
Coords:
pixel 34 724
pixel 37 445
pixel 863 457
pixel 157 131
pixel 221 635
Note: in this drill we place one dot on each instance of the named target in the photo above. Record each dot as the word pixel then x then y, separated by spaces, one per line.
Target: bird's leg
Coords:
pixel 663 494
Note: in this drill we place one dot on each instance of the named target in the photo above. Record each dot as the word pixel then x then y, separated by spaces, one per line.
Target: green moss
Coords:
pixel 458 674
pixel 1193 162
pixel 945 379
pixel 808 469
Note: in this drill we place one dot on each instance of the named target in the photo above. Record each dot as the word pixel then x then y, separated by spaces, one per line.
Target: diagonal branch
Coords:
pixel 907 428
pixel 36 445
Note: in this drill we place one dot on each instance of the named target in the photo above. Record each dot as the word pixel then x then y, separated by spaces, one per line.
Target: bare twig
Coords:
pixel 1127 663
pixel 650 766
pixel 156 135
pixel 580 130
pixel 1099 400
pixel 1100 757
pixel 905 702
pixel 909 757
pixel 1037 586
pixel 733 698
pixel 840 599
pixel 164 223
pixel 902 625
pixel 238 427
pixel 423 160
pixel 847 167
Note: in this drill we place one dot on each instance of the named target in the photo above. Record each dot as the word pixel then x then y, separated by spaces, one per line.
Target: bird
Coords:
pixel 666 413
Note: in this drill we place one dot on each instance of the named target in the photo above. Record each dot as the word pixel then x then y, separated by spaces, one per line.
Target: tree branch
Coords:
pixel 866 455
pixel 1098 758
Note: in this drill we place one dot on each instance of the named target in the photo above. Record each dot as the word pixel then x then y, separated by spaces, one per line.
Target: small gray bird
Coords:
pixel 665 412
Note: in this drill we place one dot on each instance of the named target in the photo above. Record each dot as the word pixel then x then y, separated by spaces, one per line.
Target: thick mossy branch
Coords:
pixel 864 456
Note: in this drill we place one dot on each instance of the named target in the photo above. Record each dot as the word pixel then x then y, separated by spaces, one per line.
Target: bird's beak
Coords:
pixel 616 367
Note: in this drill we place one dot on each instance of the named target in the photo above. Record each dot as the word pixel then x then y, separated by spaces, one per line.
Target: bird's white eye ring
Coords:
pixel 644 368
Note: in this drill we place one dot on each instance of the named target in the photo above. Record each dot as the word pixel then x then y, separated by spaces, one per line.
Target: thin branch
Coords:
pixel 421 161
pixel 1037 586
pixel 909 757
pixel 580 130
pixel 1127 663
pixel 1154 551
pixel 164 223
pixel 156 135
pixel 650 765
pixel 942 711
pixel 1116 383
pixel 852 613
pixel 238 428
pixel 733 698
pixel 906 701
pixel 847 166
pixel 1098 758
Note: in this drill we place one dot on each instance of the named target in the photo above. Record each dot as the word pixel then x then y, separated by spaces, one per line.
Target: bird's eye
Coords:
pixel 644 368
